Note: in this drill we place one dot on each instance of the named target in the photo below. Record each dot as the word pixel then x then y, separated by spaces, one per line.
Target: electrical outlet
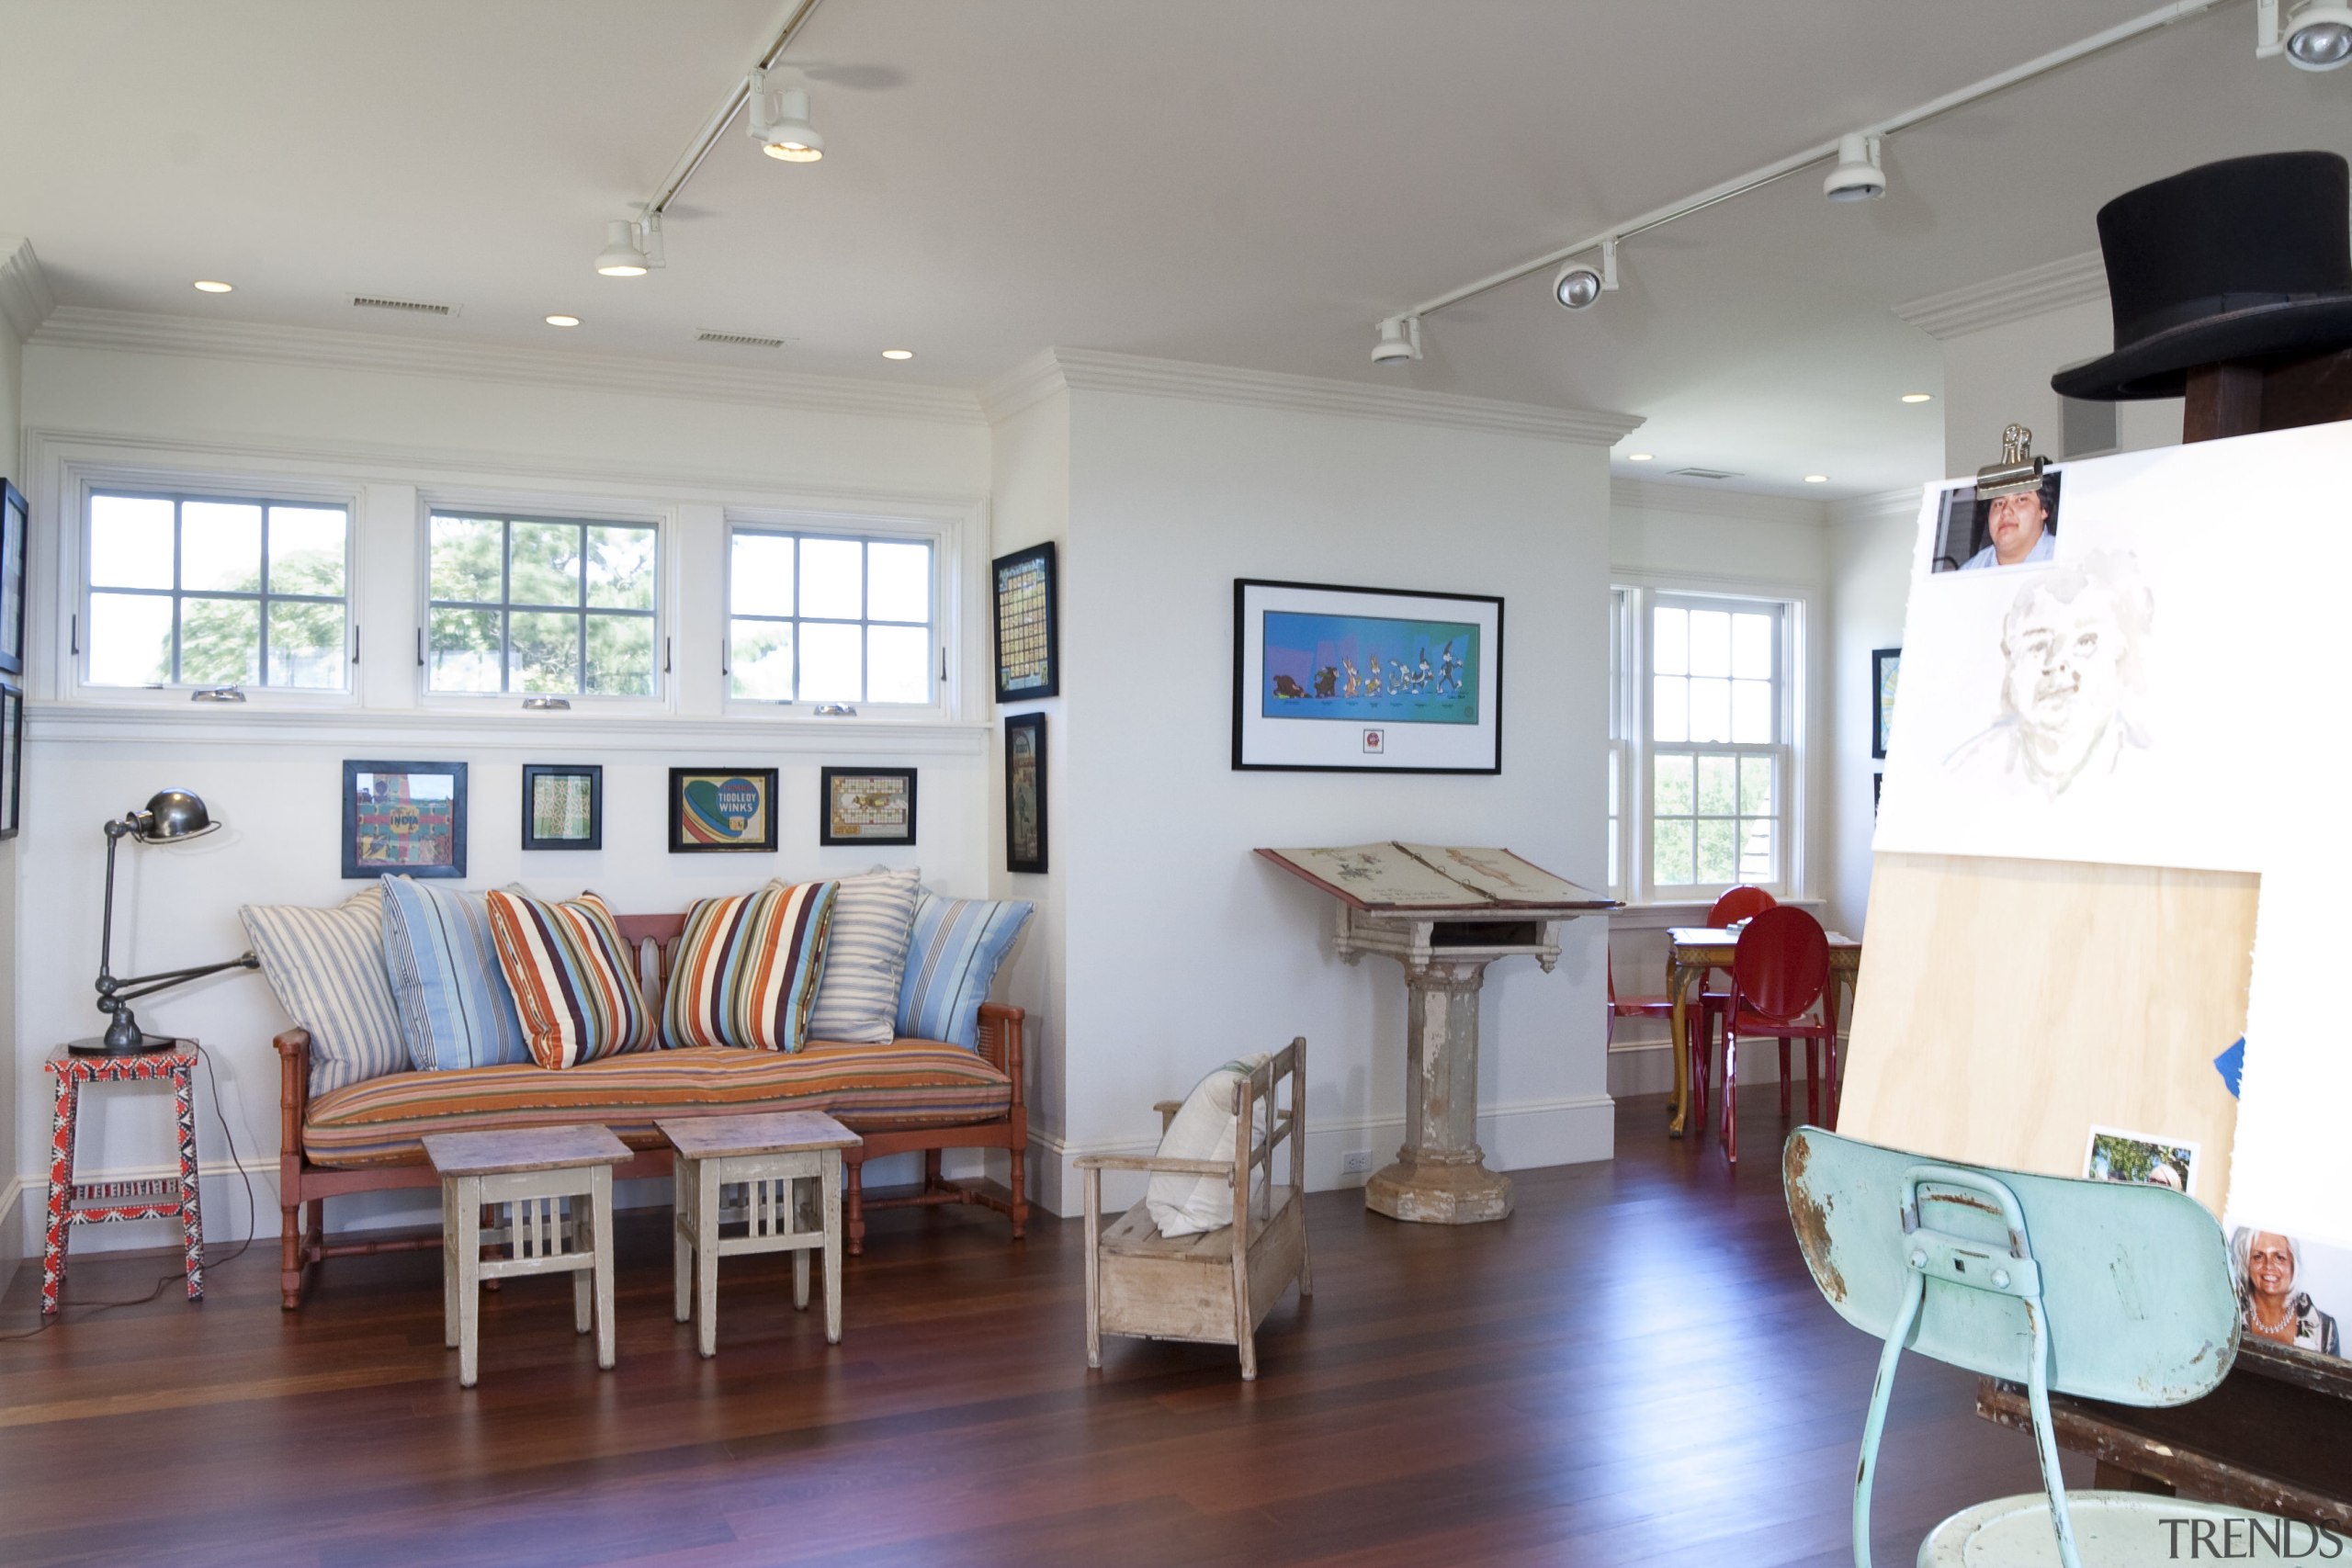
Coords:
pixel 1356 1160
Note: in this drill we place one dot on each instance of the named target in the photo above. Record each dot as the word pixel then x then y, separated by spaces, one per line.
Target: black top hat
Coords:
pixel 2246 260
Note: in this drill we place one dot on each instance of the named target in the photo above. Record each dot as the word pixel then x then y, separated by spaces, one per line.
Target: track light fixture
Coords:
pixel 1858 176
pixel 2316 35
pixel 1578 284
pixel 1400 341
pixel 780 127
pixel 632 246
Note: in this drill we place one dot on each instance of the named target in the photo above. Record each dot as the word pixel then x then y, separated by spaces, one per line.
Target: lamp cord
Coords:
pixel 164 1282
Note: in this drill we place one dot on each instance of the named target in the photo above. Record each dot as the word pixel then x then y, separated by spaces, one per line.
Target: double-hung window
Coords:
pixel 825 617
pixel 187 589
pixel 1701 747
pixel 545 605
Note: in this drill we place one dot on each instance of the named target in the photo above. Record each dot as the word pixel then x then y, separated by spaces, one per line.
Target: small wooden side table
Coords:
pixel 72 1204
pixel 530 1172
pixel 776 1157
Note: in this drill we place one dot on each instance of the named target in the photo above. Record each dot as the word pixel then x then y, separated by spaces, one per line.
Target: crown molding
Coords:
pixel 1651 495
pixel 131 332
pixel 1879 506
pixel 2072 280
pixel 1097 370
pixel 25 300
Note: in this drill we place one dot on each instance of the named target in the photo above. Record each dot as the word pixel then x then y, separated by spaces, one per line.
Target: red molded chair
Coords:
pixel 1737 904
pixel 1633 1007
pixel 1777 972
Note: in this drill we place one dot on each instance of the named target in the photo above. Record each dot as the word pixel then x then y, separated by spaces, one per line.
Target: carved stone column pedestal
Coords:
pixel 1440 1175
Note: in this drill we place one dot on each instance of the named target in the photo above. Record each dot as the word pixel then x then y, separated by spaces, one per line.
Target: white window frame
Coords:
pixel 514 508
pixel 946 670
pixel 1631 749
pixel 86 480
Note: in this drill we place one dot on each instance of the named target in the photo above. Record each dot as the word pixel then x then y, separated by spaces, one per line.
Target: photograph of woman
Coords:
pixel 2266 1265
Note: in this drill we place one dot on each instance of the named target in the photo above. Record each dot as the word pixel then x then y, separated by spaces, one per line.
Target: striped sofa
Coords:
pixel 909 1096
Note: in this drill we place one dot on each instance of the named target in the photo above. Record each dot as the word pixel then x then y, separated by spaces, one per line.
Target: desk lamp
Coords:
pixel 172 817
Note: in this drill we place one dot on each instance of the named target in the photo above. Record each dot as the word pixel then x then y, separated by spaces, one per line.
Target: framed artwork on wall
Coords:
pixel 1024 793
pixel 12 760
pixel 404 819
pixel 1886 665
pixel 14 525
pixel 563 806
pixel 722 811
pixel 866 806
pixel 1028 638
pixel 1329 679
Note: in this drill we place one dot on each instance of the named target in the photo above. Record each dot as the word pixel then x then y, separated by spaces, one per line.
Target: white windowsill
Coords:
pixel 1658 915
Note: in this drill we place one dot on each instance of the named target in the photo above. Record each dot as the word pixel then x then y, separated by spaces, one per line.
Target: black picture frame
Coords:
pixel 12 760
pixel 1878 793
pixel 365 857
pixel 1886 666
pixel 832 826
pixel 16 527
pixel 533 772
pixel 697 825
pixel 1379 738
pixel 1024 793
pixel 1025 588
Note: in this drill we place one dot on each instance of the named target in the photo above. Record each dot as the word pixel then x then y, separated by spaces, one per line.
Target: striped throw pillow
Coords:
pixel 569 968
pixel 952 959
pixel 744 972
pixel 866 957
pixel 455 1005
pixel 327 967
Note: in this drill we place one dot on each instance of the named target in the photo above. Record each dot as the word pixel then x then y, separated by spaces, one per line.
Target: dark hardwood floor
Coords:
pixel 1634 1368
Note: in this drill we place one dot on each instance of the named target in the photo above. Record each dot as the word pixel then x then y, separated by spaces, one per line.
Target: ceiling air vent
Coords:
pixel 407 307
pixel 741 339
pixel 1705 474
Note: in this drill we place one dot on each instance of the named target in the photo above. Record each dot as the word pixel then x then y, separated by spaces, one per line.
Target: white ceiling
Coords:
pixel 1227 181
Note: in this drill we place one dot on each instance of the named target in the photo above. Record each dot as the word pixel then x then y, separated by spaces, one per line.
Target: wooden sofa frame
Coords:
pixel 303 1241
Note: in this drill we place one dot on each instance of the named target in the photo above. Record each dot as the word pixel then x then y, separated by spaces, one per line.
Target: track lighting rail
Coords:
pixel 724 116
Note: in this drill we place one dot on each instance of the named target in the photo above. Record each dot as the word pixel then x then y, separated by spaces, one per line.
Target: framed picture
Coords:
pixel 12 760
pixel 563 806
pixel 1878 790
pixel 722 811
pixel 14 525
pixel 867 805
pixel 1028 641
pixel 406 819
pixel 1887 664
pixel 1366 680
pixel 1024 792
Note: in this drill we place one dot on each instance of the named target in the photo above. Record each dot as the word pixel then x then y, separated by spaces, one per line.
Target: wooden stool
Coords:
pixel 530 1172
pixel 776 1158
pixel 72 1204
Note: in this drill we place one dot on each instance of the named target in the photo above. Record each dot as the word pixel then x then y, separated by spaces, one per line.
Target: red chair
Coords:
pixel 1777 972
pixel 1735 905
pixel 1633 1007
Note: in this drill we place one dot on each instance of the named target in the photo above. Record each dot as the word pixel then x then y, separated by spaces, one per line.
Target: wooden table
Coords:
pixel 1691 952
pixel 776 1157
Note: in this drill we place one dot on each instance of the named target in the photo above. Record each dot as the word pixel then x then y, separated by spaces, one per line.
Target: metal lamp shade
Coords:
pixel 172 815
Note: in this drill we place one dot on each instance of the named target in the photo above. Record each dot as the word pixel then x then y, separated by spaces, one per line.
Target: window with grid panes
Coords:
pixel 829 618
pixel 543 606
pixel 215 590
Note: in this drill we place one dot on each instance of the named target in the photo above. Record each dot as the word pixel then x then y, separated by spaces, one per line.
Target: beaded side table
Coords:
pixel 72 1204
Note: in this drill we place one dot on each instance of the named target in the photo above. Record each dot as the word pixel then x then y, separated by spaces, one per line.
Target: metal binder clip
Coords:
pixel 2017 471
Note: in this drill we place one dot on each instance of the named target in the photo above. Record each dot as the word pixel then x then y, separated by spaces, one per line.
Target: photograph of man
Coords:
pixel 2265 1264
pixel 1973 535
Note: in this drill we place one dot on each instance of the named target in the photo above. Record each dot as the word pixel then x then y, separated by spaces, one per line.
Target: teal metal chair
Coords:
pixel 2099 1290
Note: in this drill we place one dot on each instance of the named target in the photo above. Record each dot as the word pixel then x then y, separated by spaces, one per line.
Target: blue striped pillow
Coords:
pixel 327 967
pixel 455 1005
pixel 952 959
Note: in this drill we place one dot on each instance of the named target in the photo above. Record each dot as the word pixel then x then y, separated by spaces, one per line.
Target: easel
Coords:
pixel 1982 981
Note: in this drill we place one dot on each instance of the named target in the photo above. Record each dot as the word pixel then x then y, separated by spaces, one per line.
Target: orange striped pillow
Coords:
pixel 570 969
pixel 744 972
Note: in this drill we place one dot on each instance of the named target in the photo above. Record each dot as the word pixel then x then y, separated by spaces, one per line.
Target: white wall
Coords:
pixel 11 410
pixel 1870 555
pixel 1999 374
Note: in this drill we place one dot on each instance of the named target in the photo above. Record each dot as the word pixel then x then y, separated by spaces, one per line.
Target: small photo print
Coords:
pixel 2289 1292
pixel 1975 535
pixel 2117 1155
pixel 1376 741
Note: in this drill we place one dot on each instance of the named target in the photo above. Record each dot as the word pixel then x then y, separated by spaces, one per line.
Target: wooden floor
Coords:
pixel 1634 1368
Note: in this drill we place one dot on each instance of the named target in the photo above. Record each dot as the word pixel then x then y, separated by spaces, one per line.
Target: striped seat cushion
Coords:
pixel 866 957
pixel 871 1088
pixel 744 972
pixel 569 968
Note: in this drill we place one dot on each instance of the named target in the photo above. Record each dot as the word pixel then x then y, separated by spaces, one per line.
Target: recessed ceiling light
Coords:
pixel 1816 478
pixel 1918 396
pixel 897 353
pixel 212 285
pixel 563 320
pixel 1639 457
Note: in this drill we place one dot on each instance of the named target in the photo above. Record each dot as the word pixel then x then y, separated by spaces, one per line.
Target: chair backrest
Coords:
pixel 1782 963
pixel 1738 904
pixel 1262 1121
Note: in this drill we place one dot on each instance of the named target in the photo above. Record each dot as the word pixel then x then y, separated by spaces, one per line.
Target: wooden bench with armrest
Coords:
pixel 302 1183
